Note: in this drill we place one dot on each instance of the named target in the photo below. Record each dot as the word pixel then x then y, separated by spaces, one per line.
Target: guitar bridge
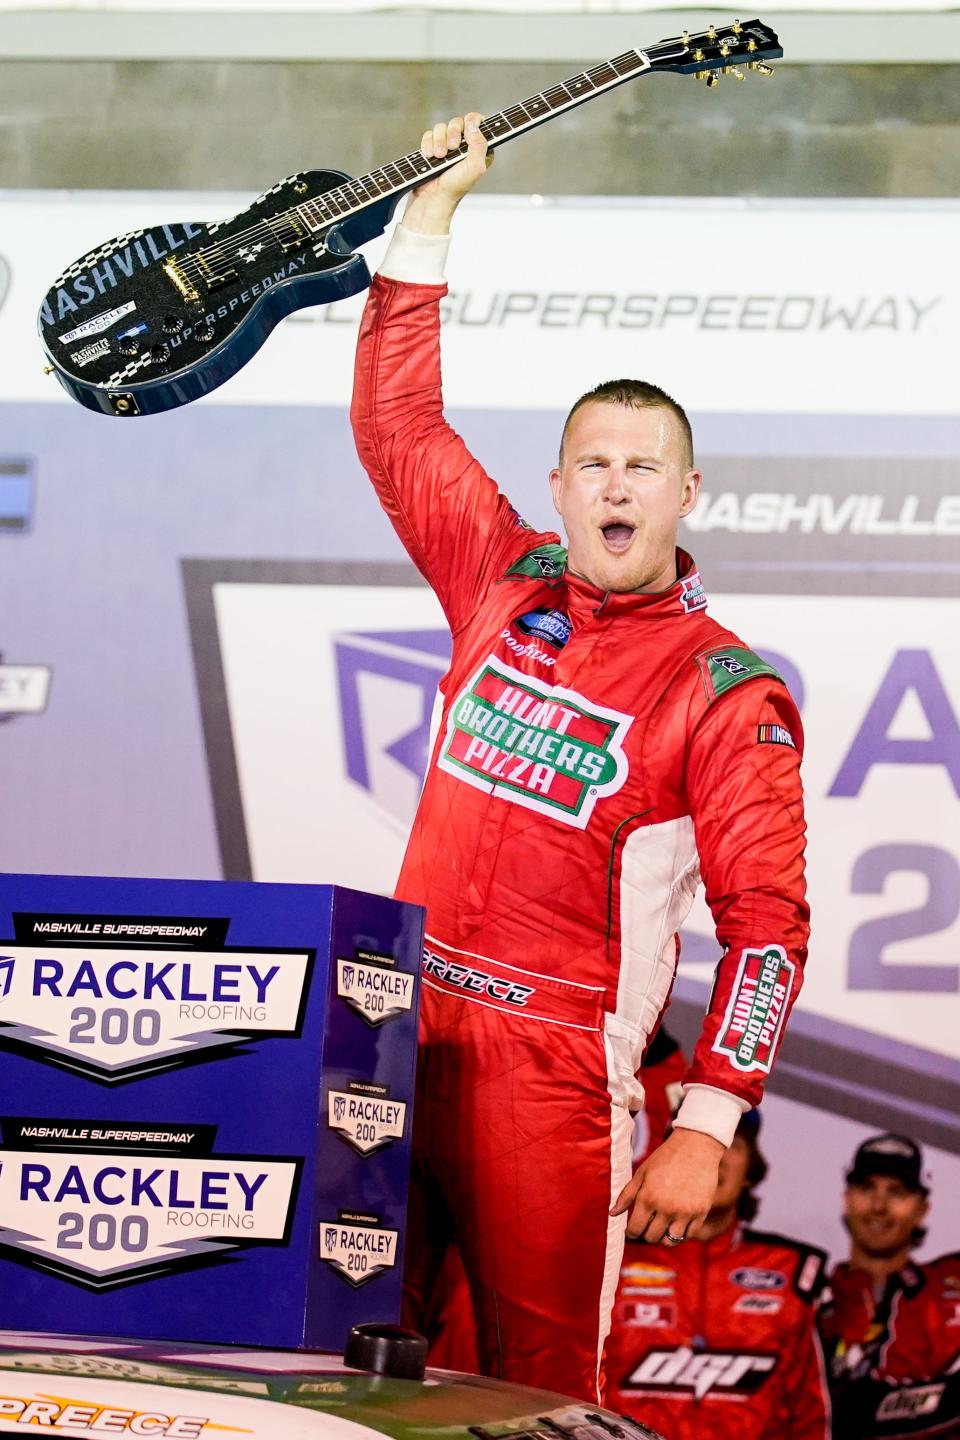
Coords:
pixel 187 289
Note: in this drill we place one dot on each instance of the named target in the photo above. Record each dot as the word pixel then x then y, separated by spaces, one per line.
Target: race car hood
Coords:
pixel 105 1388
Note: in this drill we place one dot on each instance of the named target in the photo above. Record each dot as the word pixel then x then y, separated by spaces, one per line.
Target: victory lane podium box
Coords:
pixel 206 1102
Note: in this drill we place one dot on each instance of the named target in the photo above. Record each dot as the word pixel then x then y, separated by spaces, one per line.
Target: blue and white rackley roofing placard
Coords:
pixel 102 1217
pixel 195 1073
pixel 115 1013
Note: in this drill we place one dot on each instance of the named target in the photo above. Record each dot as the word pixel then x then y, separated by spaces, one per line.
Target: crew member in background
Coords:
pixel 891 1327
pixel 719 1338
pixel 603 743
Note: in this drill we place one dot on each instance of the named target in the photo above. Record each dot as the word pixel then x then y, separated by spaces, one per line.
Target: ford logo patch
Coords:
pixel 750 1279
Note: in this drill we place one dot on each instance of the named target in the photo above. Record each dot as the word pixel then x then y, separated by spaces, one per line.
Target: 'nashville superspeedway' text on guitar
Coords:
pixel 158 317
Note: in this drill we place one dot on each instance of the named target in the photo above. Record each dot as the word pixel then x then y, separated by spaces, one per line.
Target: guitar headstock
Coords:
pixel 718 50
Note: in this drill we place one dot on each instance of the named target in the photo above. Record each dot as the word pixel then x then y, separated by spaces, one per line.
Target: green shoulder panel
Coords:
pixel 731 665
pixel 546 562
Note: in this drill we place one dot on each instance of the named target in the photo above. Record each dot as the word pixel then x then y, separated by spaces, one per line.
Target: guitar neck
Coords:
pixel 415 168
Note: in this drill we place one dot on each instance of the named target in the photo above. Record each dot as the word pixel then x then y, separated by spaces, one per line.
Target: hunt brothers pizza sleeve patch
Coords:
pixel 746 802
pixel 757 1009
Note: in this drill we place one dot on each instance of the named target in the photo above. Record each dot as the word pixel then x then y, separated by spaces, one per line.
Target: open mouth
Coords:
pixel 617 535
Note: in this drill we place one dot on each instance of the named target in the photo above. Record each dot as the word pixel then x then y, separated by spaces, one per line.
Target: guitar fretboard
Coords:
pixel 410 170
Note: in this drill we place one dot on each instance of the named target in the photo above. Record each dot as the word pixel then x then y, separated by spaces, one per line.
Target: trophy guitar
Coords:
pixel 158 317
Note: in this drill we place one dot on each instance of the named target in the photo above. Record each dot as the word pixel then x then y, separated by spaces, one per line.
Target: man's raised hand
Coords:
pixel 431 206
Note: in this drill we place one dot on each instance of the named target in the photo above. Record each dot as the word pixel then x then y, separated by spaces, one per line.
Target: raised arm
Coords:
pixel 451 518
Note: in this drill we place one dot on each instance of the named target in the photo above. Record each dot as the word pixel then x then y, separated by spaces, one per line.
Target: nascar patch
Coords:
pixel 757 1010
pixel 775 735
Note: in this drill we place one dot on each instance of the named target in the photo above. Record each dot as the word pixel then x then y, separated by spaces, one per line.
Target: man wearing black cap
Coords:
pixel 716 1337
pixel 890 1326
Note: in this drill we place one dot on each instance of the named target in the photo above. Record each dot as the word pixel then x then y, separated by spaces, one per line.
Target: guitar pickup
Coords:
pixel 289 231
pixel 214 279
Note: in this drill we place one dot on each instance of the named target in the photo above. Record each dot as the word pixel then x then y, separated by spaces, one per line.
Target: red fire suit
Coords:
pixel 450 1323
pixel 894 1355
pixel 596 754
pixel 718 1337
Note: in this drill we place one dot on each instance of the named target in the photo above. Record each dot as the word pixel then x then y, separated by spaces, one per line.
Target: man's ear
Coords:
pixel 556 487
pixel 690 493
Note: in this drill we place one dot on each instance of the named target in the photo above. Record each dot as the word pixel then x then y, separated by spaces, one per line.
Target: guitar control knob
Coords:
pixel 172 324
pixel 129 345
pixel 203 332
pixel 159 353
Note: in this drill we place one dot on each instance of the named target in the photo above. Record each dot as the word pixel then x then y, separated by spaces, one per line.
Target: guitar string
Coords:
pixel 600 77
pixel 354 193
pixel 339 195
pixel 218 252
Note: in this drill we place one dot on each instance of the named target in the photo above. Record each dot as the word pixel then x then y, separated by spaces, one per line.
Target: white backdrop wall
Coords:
pixel 214 658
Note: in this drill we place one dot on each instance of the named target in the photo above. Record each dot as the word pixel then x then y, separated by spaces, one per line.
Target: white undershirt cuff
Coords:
pixel 715 1112
pixel 414 258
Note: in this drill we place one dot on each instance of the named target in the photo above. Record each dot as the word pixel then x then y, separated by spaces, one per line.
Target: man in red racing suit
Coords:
pixel 600 750
pixel 891 1326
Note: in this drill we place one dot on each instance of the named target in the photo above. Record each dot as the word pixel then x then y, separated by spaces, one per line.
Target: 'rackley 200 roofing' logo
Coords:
pixel 540 746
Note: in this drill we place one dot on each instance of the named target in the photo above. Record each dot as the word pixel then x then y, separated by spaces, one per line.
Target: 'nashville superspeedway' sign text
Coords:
pixel 115 1013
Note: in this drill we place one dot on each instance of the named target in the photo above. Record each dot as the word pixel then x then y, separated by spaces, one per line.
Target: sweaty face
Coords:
pixel 882 1214
pixel 622 486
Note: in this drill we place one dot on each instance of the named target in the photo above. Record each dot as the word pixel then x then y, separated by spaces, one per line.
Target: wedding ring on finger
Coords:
pixel 674 1239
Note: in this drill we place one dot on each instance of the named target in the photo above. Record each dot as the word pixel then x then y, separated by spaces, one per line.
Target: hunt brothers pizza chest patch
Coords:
pixel 757 1009
pixel 540 746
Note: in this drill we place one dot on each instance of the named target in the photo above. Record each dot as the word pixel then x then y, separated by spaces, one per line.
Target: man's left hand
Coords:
pixel 671 1193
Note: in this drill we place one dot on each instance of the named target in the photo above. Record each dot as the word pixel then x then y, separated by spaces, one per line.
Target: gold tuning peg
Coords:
pixel 686 38
pixel 760 68
pixel 735 71
pixel 48 369
pixel 724 48
pixel 751 44
pixel 713 81
pixel 701 74
pixel 698 55
pixel 711 31
pixel 736 27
